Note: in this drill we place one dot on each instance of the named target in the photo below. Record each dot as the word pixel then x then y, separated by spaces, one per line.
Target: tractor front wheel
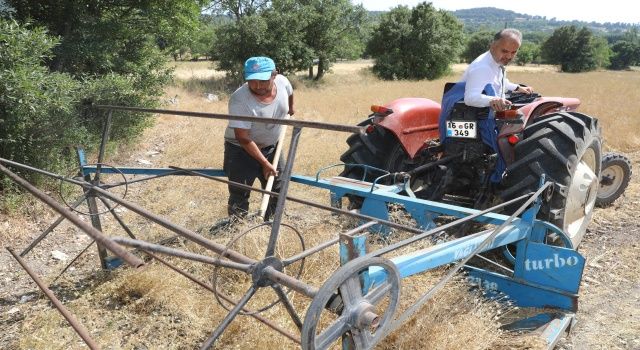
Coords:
pixel 616 173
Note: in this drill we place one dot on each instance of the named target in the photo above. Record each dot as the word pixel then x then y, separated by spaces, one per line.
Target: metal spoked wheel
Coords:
pixel 247 243
pixel 365 311
pixel 112 180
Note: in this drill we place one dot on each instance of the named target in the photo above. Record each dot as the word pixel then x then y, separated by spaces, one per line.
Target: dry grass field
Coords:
pixel 153 308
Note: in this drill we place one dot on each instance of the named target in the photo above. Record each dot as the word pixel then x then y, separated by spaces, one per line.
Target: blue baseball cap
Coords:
pixel 258 68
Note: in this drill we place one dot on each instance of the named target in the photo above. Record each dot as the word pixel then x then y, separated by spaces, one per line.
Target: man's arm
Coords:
pixel 242 136
pixel 291 110
pixel 477 79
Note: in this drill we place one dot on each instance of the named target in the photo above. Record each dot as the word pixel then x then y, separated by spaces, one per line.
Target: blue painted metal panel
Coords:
pixel 550 266
pixel 387 195
pixel 522 292
pixel 153 171
pixel 553 326
pixel 451 251
pixel 377 209
pixel 424 218
pixel 82 159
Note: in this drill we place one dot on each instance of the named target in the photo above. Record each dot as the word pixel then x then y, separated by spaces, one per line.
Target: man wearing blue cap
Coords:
pixel 249 148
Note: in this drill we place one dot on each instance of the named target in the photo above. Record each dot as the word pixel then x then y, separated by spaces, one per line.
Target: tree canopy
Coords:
pixel 572 48
pixel 415 44
pixel 477 44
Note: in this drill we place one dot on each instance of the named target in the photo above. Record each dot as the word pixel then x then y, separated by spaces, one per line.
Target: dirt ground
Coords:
pixel 609 304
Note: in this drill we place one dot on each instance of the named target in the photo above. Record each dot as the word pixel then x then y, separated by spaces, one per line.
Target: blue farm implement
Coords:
pixel 509 254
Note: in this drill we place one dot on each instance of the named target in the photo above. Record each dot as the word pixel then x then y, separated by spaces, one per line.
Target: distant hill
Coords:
pixel 492 18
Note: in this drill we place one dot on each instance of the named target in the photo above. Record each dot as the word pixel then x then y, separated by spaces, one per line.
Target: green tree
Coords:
pixel 293 33
pixel 43 112
pixel 477 44
pixel 277 34
pixel 36 107
pixel 528 52
pixel 601 51
pixel 203 41
pixel 625 54
pixel 415 44
pixel 237 8
pixel 574 50
pixel 332 28
pixel 124 37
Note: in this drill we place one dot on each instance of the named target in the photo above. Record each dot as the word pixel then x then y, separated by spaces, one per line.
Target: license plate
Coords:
pixel 461 129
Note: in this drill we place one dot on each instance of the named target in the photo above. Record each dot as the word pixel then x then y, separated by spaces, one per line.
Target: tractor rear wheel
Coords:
pixel 380 149
pixel 372 149
pixel 566 148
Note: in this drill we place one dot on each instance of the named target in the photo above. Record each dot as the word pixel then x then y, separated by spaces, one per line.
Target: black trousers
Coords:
pixel 240 167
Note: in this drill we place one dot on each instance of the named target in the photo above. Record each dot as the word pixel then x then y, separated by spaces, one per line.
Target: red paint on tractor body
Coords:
pixel 414 121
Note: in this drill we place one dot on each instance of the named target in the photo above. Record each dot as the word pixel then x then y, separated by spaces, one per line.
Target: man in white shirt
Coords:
pixel 249 148
pixel 489 68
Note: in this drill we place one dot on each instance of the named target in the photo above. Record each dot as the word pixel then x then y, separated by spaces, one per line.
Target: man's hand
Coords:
pixel 499 104
pixel 269 170
pixel 291 111
pixel 525 89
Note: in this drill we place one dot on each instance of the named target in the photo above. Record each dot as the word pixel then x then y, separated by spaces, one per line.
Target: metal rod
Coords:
pixel 286 280
pixel 129 182
pixel 50 229
pixel 209 288
pixel 95 222
pixel 73 261
pixel 40 171
pixel 292 122
pixel 425 167
pixel 190 235
pixel 435 230
pixel 287 305
pixel 95 234
pixel 227 320
pixel 197 281
pixel 327 244
pixel 305 202
pixel 117 217
pixel 106 128
pixel 181 254
pixel 284 188
pixel 494 263
pixel 73 322
pixel 424 298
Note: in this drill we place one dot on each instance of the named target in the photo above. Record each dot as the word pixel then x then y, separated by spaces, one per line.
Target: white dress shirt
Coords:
pixel 482 71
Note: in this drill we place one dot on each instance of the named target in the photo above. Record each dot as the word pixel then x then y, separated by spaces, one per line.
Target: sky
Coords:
pixel 584 10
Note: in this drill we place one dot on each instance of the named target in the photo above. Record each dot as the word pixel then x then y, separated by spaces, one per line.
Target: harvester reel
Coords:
pixel 366 316
pixel 115 182
pixel 262 263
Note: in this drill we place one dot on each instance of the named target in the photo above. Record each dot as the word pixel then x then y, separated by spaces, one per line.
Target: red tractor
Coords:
pixel 476 158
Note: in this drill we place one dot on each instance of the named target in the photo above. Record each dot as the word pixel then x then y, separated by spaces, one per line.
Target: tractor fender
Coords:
pixel 413 121
pixel 542 106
